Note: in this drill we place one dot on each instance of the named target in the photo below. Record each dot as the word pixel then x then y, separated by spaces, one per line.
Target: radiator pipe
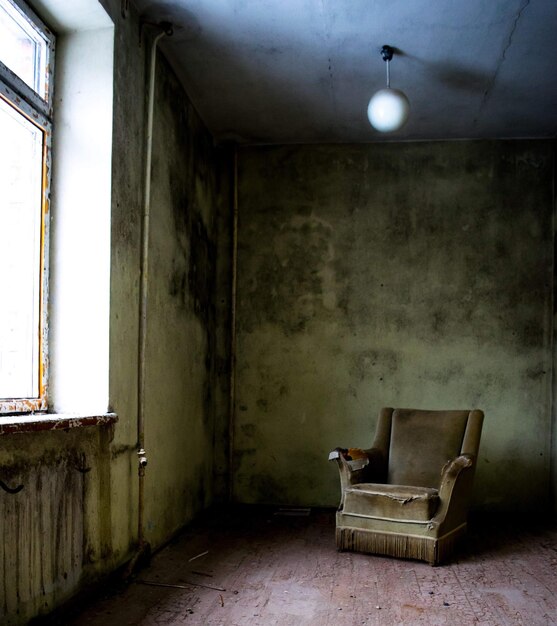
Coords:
pixel 144 548
pixel 233 298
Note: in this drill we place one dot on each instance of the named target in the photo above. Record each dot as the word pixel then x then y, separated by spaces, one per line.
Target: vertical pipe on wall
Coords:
pixel 232 396
pixel 144 286
pixel 553 431
pixel 143 546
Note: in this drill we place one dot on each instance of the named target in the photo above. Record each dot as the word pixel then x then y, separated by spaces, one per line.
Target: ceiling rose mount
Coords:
pixel 387 54
pixel 388 108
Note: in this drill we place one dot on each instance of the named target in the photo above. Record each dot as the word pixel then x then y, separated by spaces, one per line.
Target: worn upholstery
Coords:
pixel 408 495
pixel 394 501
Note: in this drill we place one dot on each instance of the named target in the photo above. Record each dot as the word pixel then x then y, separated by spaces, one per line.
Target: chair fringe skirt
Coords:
pixel 429 549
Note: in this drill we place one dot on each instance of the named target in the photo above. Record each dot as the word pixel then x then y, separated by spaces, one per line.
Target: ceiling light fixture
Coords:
pixel 388 109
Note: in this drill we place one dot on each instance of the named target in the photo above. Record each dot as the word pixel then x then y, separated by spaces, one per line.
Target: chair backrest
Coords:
pixel 421 442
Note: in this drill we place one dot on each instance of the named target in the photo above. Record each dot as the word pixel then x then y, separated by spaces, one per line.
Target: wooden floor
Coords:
pixel 285 570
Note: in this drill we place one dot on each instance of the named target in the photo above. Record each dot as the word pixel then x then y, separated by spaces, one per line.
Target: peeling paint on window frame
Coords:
pixel 24 91
pixel 52 421
pixel 37 111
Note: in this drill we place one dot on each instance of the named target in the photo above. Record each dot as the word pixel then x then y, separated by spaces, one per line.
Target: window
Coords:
pixel 26 64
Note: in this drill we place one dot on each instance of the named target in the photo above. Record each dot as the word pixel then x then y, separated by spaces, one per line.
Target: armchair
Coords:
pixel 408 495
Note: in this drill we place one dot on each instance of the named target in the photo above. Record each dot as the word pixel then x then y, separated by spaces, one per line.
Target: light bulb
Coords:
pixel 388 110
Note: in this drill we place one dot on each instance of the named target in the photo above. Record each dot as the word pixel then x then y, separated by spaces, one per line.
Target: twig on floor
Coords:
pixel 192 571
pixel 197 556
pixel 175 586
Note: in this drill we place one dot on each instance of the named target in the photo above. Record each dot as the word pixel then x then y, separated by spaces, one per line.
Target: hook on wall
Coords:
pixel 11 490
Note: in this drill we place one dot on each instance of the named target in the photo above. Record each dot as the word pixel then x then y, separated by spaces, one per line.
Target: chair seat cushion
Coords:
pixel 397 502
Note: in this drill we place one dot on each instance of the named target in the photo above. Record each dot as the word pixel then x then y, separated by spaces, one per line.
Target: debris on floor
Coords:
pixel 198 573
pixel 197 556
pixel 290 567
pixel 177 586
pixel 293 512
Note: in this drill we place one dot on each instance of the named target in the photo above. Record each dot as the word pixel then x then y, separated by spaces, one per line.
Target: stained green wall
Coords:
pixel 76 518
pixel 188 191
pixel 186 393
pixel 411 275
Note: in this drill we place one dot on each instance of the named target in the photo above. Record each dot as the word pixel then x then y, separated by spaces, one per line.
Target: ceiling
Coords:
pixel 302 71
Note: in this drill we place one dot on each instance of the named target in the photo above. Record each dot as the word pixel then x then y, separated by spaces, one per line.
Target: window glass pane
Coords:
pixel 22 48
pixel 21 156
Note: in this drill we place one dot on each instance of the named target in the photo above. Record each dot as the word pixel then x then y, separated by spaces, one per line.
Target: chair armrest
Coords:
pixel 356 471
pixel 455 490
pixel 452 468
pixel 350 468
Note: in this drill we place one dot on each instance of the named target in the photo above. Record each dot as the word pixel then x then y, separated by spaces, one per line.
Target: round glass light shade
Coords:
pixel 388 110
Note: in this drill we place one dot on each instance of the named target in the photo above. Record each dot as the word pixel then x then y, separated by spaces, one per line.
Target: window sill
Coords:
pixel 13 424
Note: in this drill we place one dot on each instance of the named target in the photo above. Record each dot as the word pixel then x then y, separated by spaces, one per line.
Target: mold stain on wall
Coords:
pixel 41 540
pixel 413 275
pixel 55 532
pixel 183 325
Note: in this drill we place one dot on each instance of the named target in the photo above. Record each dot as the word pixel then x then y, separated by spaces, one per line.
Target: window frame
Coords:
pixel 38 111
pixel 8 77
